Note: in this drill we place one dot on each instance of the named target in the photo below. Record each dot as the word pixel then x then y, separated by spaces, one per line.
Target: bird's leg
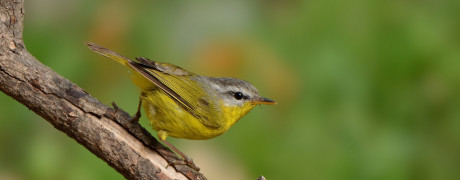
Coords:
pixel 138 113
pixel 187 160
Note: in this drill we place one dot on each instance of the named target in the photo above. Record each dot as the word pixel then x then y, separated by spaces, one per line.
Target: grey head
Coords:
pixel 236 92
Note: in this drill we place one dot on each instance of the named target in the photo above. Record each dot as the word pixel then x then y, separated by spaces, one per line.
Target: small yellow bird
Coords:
pixel 183 104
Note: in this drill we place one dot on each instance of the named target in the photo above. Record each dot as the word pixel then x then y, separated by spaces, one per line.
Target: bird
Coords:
pixel 183 104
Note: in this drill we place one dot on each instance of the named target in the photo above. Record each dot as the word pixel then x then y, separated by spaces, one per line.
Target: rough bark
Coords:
pixel 106 132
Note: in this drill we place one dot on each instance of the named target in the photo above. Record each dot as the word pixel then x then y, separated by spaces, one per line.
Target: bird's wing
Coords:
pixel 177 83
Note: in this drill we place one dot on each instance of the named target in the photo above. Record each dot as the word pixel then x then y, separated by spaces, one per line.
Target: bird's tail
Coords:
pixel 108 53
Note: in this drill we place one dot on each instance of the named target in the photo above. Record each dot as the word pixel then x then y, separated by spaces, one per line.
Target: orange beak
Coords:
pixel 263 100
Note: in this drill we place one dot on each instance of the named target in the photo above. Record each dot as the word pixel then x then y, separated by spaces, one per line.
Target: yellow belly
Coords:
pixel 166 115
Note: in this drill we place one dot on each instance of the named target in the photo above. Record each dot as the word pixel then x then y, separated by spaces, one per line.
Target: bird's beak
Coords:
pixel 263 100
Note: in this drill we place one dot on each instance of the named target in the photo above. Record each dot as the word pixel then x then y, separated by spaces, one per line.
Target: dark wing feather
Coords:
pixel 142 70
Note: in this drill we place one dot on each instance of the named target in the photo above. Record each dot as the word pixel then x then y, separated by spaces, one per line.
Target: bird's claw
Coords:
pixel 188 161
pixel 191 164
pixel 136 117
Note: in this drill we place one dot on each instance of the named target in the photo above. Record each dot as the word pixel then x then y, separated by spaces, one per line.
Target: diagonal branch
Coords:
pixel 106 132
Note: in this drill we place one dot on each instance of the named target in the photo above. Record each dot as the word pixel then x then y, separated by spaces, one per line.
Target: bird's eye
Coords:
pixel 238 95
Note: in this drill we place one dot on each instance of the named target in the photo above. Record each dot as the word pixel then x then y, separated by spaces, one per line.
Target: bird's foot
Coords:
pixel 188 161
pixel 136 117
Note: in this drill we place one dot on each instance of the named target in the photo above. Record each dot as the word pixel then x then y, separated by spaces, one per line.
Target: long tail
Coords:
pixel 108 53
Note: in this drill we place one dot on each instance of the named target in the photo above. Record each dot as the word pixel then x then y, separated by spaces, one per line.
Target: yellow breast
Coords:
pixel 165 114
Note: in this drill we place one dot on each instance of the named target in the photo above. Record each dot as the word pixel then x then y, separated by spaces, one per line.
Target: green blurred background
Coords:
pixel 365 89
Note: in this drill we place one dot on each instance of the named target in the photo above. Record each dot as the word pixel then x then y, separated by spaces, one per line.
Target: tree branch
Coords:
pixel 106 132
